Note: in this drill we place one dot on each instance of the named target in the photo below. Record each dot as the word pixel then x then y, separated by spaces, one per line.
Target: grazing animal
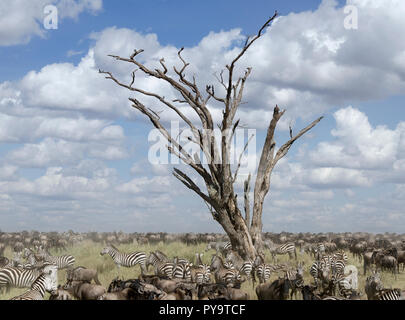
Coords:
pixel 263 272
pixel 84 290
pixel 201 274
pixel 221 247
pixel 367 260
pixel 222 274
pixel 125 294
pixel 60 294
pixel 277 290
pixel 166 285
pixel 373 286
pixel 212 291
pixel 244 267
pixel 295 278
pixel 47 281
pixel 389 294
pixel 162 268
pixel 19 277
pixel 319 271
pixel 287 248
pixel 385 262
pixel 5 263
pixel 401 259
pixel 143 291
pixel 308 293
pixel 126 259
pixel 182 271
pixel 62 262
pixel 82 274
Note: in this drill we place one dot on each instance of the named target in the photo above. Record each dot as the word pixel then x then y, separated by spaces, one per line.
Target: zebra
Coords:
pixel 263 272
pixel 178 260
pixel 232 278
pixel 319 271
pixel 162 268
pixel 287 248
pixel 389 294
pixel 341 254
pixel 338 262
pixel 247 270
pixel 200 273
pixel 46 281
pixel 319 250
pixel 20 278
pixel 222 247
pixel 244 267
pixel 182 271
pixel 126 259
pixel 295 277
pixel 229 265
pixel 62 262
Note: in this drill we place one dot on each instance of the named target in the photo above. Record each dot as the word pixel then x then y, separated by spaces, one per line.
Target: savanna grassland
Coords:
pixel 87 254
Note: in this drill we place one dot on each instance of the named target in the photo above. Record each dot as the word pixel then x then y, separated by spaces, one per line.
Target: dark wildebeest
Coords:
pixel 82 274
pixel 277 290
pixel 84 290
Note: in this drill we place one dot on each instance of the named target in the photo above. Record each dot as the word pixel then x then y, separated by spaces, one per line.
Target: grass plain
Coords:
pixel 87 254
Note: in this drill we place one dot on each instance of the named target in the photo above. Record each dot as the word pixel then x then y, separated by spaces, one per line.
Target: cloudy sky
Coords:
pixel 74 154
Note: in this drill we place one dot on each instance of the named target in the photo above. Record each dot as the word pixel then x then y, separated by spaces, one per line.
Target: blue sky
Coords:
pixel 74 155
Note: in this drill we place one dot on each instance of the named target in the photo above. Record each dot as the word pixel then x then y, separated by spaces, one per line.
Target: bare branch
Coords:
pixel 240 158
pixel 246 192
pixel 285 147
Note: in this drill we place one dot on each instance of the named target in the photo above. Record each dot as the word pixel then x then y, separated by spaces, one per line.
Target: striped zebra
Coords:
pixel 338 262
pixel 319 250
pixel 222 247
pixel 62 262
pixel 263 272
pixel 46 281
pixel 201 274
pixel 295 277
pixel 287 248
pixel 18 277
pixel 341 254
pixel 319 271
pixel 182 271
pixel 232 278
pixel 389 294
pixel 162 268
pixel 177 260
pixel 126 259
pixel 247 270
pixel 244 267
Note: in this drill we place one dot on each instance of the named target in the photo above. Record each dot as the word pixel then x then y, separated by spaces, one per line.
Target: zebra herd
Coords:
pixel 39 274
pixel 333 277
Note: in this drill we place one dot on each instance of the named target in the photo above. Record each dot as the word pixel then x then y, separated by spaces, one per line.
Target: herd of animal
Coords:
pixel 163 278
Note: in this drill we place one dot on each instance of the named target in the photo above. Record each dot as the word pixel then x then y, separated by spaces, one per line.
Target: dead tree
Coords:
pixel 218 175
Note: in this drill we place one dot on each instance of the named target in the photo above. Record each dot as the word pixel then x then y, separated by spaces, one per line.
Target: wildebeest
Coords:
pixel 373 286
pixel 82 274
pixel 277 290
pixel 84 290
pixel 385 262
pixel 60 294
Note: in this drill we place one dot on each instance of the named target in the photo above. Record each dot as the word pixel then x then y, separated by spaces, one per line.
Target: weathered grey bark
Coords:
pixel 217 175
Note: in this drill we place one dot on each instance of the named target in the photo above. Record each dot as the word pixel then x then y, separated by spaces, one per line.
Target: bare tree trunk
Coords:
pixel 219 180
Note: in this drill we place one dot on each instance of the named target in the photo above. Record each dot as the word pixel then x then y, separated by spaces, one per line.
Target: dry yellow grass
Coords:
pixel 87 253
